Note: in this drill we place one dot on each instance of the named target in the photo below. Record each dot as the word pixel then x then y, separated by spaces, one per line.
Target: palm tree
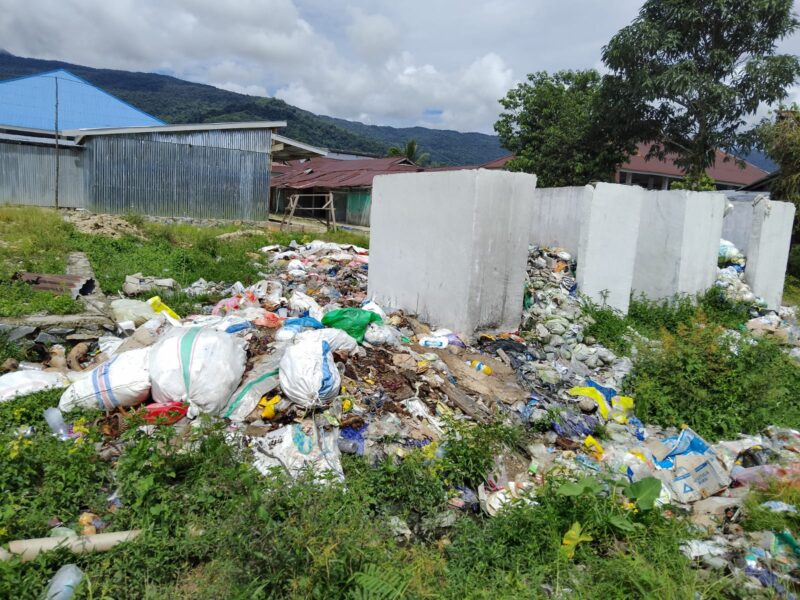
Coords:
pixel 411 152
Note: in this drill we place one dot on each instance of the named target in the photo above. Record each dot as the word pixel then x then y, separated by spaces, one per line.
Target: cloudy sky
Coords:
pixel 439 63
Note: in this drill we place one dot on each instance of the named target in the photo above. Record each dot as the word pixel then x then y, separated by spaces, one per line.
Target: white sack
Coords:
pixel 261 380
pixel 309 376
pixel 338 340
pixel 21 383
pixel 198 366
pixel 122 381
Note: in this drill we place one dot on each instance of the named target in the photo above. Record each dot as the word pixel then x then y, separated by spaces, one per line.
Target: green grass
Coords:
pixel 17 299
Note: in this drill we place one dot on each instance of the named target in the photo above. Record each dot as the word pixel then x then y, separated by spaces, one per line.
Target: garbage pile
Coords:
pixel 780 325
pixel 303 367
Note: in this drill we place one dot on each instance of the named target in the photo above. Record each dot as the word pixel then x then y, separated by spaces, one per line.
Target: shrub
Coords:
pixel 717 383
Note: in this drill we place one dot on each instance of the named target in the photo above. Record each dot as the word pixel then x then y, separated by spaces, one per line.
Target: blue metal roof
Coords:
pixel 30 102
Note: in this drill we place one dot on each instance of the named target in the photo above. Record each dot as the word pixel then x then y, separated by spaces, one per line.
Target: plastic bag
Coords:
pixel 298 446
pixel 22 383
pixel 131 310
pixel 309 376
pixel 300 303
pixel 122 381
pixel 382 334
pixel 373 306
pixel 261 380
pixel 352 320
pixel 198 366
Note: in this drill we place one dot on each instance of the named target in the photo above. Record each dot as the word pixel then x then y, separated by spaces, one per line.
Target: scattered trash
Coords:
pixel 139 284
pixel 62 585
pixel 24 382
pixel 29 549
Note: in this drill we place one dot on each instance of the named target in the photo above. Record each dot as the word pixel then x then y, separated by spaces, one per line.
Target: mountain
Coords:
pixel 444 146
pixel 177 101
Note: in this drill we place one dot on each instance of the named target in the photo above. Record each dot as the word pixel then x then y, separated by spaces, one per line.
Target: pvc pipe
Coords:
pixel 99 542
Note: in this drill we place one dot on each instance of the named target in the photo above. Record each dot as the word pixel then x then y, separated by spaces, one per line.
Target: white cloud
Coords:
pixel 398 63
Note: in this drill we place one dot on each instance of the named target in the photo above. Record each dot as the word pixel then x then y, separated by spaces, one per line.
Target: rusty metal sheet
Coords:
pixel 74 285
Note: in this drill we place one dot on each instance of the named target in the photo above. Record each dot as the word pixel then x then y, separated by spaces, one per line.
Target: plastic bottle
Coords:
pixel 62 585
pixel 434 342
pixel 348 446
pixel 479 366
pixel 55 420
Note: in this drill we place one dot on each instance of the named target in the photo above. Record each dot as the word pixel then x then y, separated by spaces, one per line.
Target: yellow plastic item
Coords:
pixel 347 404
pixel 592 443
pixel 269 411
pixel 621 408
pixel 602 406
pixel 479 366
pixel 158 306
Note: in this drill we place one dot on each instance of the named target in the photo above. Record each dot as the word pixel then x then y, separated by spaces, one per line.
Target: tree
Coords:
pixel 780 139
pixel 411 152
pixel 688 73
pixel 554 127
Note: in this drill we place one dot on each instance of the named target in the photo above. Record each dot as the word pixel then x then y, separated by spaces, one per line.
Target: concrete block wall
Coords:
pixel 609 231
pixel 768 249
pixel 452 246
pixel 557 216
pixel 679 242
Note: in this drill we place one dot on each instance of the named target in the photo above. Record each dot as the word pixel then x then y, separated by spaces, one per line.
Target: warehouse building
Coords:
pixel 67 143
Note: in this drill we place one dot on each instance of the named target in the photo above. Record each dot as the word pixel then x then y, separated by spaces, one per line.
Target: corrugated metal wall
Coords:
pixel 359 204
pixel 166 178
pixel 28 175
pixel 252 140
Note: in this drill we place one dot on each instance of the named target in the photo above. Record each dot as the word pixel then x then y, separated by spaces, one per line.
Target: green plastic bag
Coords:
pixel 351 320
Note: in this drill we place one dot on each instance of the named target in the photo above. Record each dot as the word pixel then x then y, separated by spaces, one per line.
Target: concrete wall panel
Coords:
pixel 609 231
pixel 452 246
pixel 679 241
pixel 768 249
pixel 557 216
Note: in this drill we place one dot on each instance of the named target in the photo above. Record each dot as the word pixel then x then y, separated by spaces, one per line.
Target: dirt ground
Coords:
pixel 110 225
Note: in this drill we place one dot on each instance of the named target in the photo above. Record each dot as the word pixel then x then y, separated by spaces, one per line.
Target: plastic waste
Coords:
pixel 122 381
pixel 300 303
pixel 126 309
pixel 158 305
pixel 62 585
pixel 299 446
pixel 434 342
pixel 24 382
pixel 260 381
pixel 479 366
pixel 55 420
pixel 378 334
pixel 352 320
pixel 373 306
pixel 308 374
pixel 198 366
pixel 780 507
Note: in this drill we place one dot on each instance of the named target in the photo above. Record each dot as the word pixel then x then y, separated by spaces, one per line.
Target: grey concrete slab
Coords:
pixel 768 249
pixel 451 246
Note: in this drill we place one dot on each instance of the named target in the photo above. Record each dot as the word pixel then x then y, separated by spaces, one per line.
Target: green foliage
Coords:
pixel 649 317
pixel 688 73
pixel 645 492
pixel 587 486
pixel 695 182
pixel 469 451
pixel 43 477
pixel 410 151
pixel 718 384
pixel 18 298
pixel 780 138
pixel 375 584
pixel 553 125
pixel 10 350
pixel 760 518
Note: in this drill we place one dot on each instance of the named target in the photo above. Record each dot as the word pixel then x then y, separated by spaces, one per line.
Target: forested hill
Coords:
pixel 178 101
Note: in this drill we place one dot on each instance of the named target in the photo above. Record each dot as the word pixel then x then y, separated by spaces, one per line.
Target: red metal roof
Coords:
pixel 723 171
pixel 334 173
pixel 497 163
